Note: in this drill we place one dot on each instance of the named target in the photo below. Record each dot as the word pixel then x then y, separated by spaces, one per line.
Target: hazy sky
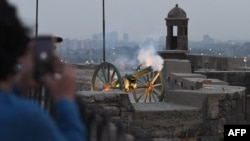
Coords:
pixel 221 19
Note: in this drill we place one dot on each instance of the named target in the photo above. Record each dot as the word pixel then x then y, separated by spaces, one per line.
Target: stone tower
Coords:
pixel 177 29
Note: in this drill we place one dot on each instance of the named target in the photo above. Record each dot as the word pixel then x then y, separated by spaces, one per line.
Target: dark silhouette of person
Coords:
pixel 20 118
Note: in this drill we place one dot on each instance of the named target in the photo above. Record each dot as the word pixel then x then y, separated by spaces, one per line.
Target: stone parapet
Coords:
pixel 235 78
pixel 219 63
pixel 84 73
pixel 160 120
pixel 184 114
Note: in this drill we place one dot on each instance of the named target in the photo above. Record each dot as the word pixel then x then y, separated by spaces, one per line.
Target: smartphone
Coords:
pixel 43 56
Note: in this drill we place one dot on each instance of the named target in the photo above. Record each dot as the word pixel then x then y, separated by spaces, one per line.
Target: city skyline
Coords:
pixel 80 19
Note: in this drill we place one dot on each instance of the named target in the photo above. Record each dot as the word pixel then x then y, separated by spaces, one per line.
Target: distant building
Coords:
pixel 207 39
pixel 112 36
pixel 88 44
pixel 125 37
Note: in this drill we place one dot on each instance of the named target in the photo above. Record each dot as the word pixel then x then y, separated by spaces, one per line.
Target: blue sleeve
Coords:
pixel 68 118
pixel 16 90
pixel 68 126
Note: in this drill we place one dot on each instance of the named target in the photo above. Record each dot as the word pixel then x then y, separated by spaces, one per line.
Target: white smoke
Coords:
pixel 124 63
pixel 147 56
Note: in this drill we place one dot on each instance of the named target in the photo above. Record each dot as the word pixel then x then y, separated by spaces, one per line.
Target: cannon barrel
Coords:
pixel 140 73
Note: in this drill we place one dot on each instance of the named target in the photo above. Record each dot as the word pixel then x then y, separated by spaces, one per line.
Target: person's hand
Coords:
pixel 61 84
pixel 24 78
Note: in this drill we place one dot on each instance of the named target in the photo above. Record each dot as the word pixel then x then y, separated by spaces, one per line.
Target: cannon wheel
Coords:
pixel 106 77
pixel 150 87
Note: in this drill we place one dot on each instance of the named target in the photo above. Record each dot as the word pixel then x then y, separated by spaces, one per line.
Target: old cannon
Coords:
pixel 146 84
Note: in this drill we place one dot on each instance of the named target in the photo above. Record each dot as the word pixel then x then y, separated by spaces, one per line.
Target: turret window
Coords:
pixel 175 31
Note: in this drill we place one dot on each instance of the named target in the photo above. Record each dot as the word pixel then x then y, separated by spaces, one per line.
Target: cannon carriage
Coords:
pixel 145 84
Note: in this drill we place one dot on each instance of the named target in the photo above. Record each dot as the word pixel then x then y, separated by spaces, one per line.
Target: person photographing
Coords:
pixel 20 118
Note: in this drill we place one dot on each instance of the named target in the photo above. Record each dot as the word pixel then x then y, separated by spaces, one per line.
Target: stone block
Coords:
pixel 235 64
pixel 112 110
pixel 176 80
pixel 248 105
pixel 99 97
pixel 177 66
pixel 197 83
pixel 212 109
pixel 163 120
pixel 186 97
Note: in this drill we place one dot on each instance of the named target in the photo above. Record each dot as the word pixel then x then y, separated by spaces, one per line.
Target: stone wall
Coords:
pixel 196 107
pixel 236 78
pixel 84 73
pixel 215 62
pixel 179 117
pixel 176 66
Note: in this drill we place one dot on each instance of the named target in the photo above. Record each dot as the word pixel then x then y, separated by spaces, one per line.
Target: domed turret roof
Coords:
pixel 177 12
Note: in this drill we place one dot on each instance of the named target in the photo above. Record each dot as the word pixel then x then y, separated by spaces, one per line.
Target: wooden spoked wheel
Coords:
pixel 106 77
pixel 150 87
